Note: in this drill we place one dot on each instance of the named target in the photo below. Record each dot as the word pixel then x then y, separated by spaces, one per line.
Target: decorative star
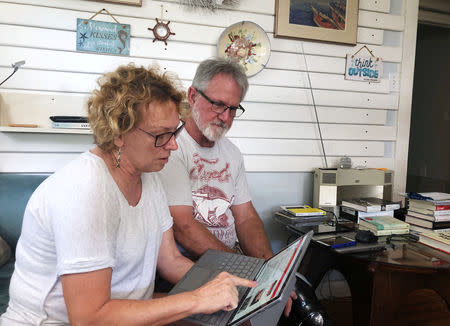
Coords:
pixel 83 36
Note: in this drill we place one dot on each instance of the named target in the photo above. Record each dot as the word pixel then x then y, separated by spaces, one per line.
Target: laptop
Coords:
pixel 275 277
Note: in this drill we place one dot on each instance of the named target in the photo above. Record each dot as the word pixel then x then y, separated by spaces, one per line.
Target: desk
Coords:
pixel 380 281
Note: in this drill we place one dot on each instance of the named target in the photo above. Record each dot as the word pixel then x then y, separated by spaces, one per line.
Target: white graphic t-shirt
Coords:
pixel 211 180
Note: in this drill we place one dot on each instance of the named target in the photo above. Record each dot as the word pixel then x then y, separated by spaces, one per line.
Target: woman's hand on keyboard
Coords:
pixel 220 293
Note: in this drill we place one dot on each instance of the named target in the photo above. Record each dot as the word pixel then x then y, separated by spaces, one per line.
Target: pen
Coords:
pixel 23 125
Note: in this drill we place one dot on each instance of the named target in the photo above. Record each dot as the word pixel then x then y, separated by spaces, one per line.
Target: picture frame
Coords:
pixel 137 3
pixel 322 20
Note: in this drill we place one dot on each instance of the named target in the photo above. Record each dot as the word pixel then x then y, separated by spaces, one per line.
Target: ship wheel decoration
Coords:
pixel 161 30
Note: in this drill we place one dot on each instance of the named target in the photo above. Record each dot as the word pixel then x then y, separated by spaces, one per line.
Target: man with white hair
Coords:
pixel 205 178
pixel 205 181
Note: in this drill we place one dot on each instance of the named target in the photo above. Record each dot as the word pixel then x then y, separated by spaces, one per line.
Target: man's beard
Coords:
pixel 212 133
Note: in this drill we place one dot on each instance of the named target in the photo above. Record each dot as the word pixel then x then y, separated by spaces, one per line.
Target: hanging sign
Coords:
pixel 363 68
pixel 103 37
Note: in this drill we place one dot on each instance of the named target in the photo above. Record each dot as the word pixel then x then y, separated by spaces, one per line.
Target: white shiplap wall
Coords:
pixel 278 131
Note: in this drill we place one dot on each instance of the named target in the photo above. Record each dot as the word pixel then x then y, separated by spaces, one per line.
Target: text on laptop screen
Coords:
pixel 271 279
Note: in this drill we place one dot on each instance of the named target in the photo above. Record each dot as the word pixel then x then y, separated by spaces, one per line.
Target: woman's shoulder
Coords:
pixel 86 168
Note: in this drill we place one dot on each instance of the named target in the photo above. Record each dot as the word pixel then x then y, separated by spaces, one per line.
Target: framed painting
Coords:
pixel 123 2
pixel 323 20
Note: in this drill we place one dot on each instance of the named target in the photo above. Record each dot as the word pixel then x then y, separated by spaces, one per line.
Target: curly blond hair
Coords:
pixel 113 109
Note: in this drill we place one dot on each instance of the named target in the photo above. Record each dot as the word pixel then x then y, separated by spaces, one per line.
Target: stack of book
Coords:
pixel 383 225
pixel 429 215
pixel 354 209
pixel 437 240
pixel 69 122
pixel 301 215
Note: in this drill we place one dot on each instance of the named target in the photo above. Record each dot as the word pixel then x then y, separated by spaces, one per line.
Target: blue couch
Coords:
pixel 15 190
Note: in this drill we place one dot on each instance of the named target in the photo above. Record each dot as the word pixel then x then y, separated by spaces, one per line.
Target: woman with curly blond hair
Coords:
pixel 95 231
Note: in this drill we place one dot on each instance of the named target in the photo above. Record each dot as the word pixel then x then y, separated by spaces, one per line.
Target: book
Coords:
pixel 428 211
pixel 354 215
pixel 421 229
pixel 361 205
pixel 289 219
pixel 428 205
pixel 437 198
pixel 303 210
pixel 383 223
pixel 386 205
pixel 71 125
pixel 385 232
pixel 427 223
pixel 438 240
pixel 429 217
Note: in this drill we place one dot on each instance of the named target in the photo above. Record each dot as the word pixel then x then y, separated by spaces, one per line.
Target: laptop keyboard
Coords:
pixel 239 265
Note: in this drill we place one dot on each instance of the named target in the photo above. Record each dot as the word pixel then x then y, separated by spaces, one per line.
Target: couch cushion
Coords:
pixel 5 276
pixel 15 190
pixel 5 251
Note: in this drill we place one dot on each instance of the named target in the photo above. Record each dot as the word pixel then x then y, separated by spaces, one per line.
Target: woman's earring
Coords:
pixel 118 157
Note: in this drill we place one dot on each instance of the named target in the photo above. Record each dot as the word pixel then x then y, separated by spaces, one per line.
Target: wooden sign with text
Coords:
pixel 363 68
pixel 103 37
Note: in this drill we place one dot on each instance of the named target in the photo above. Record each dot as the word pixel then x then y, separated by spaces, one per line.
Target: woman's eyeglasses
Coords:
pixel 162 139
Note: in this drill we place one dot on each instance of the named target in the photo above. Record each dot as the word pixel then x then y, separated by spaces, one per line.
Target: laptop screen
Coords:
pixel 272 279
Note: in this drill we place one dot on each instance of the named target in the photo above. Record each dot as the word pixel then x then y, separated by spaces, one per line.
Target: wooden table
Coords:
pixel 380 281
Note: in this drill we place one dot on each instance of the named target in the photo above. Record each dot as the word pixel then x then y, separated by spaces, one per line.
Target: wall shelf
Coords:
pixel 45 130
pixel 35 108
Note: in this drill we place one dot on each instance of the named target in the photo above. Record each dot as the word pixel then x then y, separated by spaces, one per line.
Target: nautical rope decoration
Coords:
pixel 209 4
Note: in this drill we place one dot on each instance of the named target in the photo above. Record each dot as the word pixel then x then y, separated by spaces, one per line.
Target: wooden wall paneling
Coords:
pixel 50 162
pixel 30 143
pixel 269 129
pixel 17 104
pixel 338 82
pixel 34 162
pixel 36 108
pixel 388 53
pixel 357 100
pixel 42 80
pixel 349 115
pixel 144 47
pixel 189 32
pixel 265 129
pixel 380 20
pixel 84 83
pixel 265 163
pixel 99 63
pixel 285 95
pixel 375 5
pixel 37 37
pixel 370 36
pixel 305 113
pixel 369 132
pixel 175 12
pixel 353 115
pixel 152 9
pixel 76 61
pixel 308 147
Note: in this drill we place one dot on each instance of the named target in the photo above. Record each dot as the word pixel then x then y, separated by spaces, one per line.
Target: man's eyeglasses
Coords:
pixel 162 139
pixel 219 108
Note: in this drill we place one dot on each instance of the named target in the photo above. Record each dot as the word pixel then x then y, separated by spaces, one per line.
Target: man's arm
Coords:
pixel 88 297
pixel 250 231
pixel 192 234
